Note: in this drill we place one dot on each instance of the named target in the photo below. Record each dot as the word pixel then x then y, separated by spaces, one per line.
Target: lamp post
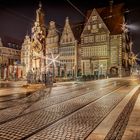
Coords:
pixel 45 60
pixel 101 70
pixel 65 71
pixel 73 73
pixel 53 65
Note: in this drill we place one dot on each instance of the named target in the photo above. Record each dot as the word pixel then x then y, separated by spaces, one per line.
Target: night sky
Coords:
pixel 17 16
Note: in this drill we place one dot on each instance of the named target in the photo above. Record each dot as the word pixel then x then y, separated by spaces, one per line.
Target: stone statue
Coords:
pixel 40 14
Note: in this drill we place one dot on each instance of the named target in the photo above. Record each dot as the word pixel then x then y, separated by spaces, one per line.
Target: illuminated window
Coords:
pixel 86 40
pixel 97 38
pixel 56 39
pixel 91 38
pixel 100 25
pixel 89 27
pixel 103 37
pixel 94 26
pixel 94 18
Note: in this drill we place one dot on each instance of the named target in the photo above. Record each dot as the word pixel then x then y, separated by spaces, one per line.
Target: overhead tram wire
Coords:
pixel 77 9
pixel 23 17
pixel 27 19
pixel 105 18
pixel 31 20
pixel 19 15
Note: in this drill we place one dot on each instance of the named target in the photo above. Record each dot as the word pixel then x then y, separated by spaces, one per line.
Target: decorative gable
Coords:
pixel 94 25
pixel 67 34
pixel 52 36
pixel 26 43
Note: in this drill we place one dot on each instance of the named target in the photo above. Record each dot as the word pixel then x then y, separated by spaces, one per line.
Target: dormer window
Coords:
pixel 100 25
pixel 89 27
pixel 70 39
pixel 94 18
pixel 63 40
pixel 94 26
pixel 85 39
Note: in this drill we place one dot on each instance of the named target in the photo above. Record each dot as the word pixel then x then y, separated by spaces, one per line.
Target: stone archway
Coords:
pixel 114 72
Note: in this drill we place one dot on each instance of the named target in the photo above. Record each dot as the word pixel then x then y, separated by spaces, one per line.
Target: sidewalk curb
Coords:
pixel 104 127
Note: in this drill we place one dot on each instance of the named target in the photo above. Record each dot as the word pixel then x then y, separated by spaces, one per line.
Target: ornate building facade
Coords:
pixel 100 47
pixel 52 49
pixel 95 46
pixel 105 45
pixel 26 55
pixel 68 52
pixel 10 67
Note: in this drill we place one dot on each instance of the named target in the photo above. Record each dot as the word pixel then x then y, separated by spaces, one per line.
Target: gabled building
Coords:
pixel 100 46
pixel 52 39
pixel 52 48
pixel 95 46
pixel 105 45
pixel 68 52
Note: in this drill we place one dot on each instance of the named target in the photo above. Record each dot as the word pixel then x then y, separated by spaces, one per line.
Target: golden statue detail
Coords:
pixel 40 15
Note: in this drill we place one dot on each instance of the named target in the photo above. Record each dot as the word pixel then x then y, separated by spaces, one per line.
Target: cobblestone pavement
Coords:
pixel 15 101
pixel 81 123
pixel 16 111
pixel 62 115
pixel 117 130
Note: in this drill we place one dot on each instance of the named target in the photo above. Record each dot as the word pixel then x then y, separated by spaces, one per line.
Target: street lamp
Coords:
pixel 53 65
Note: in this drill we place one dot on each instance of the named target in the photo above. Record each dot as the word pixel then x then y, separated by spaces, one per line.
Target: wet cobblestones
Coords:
pixel 55 91
pixel 29 107
pixel 78 125
pixel 82 120
pixel 117 130
pixel 36 95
